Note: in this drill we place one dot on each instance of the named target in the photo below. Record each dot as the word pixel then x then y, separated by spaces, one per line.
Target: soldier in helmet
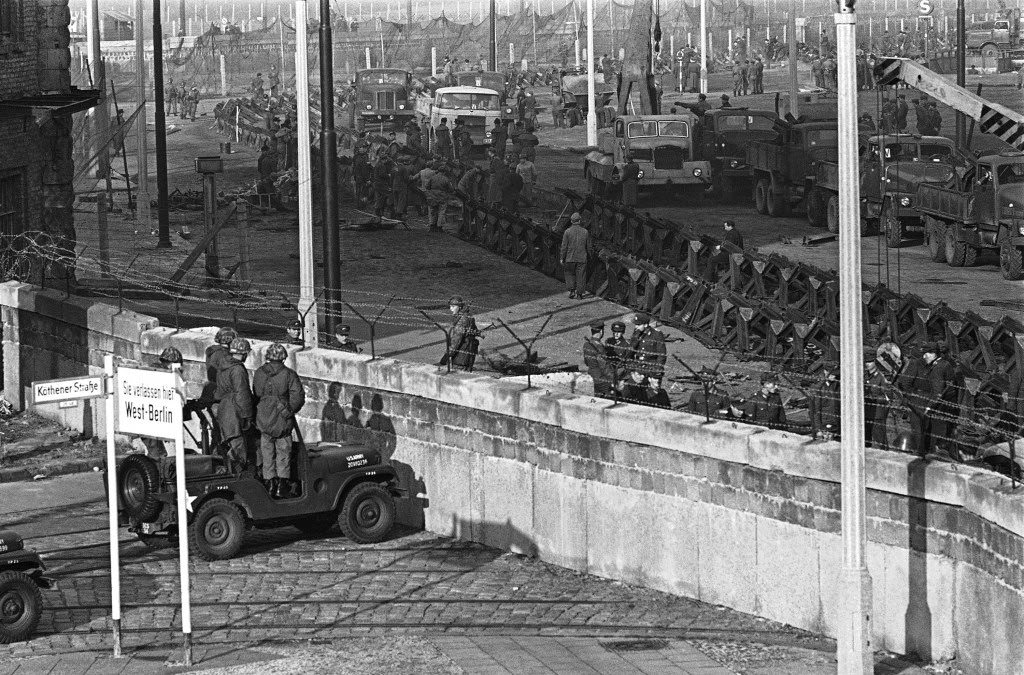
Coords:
pixel 168 357
pixel 294 333
pixel 342 340
pixel 217 355
pixel 234 407
pixel 464 336
pixel 279 396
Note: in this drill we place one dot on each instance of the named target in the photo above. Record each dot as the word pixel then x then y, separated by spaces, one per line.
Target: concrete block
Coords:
pixel 987 619
pixel 468 390
pixel 508 506
pixel 385 374
pixel 989 496
pixel 541 405
pixel 585 414
pixel 332 365
pixel 420 380
pixel 793 454
pixel 787 574
pixel 903 474
pixel 830 568
pixel 727 564
pixel 560 520
pixel 13 292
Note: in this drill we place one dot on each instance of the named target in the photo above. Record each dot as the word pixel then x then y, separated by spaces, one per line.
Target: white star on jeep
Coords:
pixel 188 501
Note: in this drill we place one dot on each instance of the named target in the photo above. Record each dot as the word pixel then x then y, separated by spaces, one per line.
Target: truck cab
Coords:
pixel 722 137
pixel 662 145
pixel 783 170
pixel 989 37
pixel 382 96
pixel 478 107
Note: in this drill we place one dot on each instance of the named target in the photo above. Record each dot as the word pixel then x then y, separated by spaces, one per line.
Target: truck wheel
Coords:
pixel 368 514
pixel 761 195
pixel 1011 261
pixel 816 207
pixel 832 214
pixel 777 203
pixel 21 605
pixel 138 481
pixel 216 532
pixel 891 226
pixel 956 250
pixel 320 523
pixel 935 238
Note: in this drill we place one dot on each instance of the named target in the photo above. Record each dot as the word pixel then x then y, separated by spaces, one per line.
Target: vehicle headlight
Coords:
pixel 904 201
pixel 641 174
pixel 487 135
pixel 734 164
pixel 1020 229
pixel 369 106
pixel 401 106
pixel 697 173
pixel 508 111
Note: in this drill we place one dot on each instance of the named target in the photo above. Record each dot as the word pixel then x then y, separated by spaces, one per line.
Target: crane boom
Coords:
pixel 992 118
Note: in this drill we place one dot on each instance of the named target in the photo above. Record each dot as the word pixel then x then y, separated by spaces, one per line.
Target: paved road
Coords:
pixel 457 606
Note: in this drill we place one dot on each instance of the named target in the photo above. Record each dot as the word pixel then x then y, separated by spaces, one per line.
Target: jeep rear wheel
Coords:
pixel 216 532
pixel 761 195
pixel 935 237
pixel 21 605
pixel 138 481
pixel 1011 261
pixel 832 214
pixel 891 226
pixel 368 513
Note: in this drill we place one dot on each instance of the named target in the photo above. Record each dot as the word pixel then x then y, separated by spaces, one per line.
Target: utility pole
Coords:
pixel 307 263
pixel 163 217
pixel 703 46
pixel 329 171
pixel 142 142
pixel 854 648
pixel 181 17
pixel 591 85
pixel 492 52
pixel 794 90
pixel 961 71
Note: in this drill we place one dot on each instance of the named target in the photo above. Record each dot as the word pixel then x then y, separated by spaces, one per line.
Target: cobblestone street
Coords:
pixel 416 603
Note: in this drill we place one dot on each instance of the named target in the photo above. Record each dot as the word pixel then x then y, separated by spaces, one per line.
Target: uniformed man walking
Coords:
pixel 630 181
pixel 234 408
pixel 279 396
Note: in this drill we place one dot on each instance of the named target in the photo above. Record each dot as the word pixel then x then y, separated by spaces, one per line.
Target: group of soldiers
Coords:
pixel 747 77
pixel 629 370
pixel 181 100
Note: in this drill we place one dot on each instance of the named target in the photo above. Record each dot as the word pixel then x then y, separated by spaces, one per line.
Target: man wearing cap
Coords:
pixel 617 348
pixel 443 139
pixel 709 401
pixel 595 356
pixel 931 395
pixel 630 181
pixel 824 402
pixel 234 408
pixel 720 256
pixel 463 336
pixel 725 102
pixel 342 341
pixel 573 255
pixel 293 333
pixel 765 407
pixel 647 348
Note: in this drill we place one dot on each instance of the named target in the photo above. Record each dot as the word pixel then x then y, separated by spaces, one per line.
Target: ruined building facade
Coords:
pixel 36 104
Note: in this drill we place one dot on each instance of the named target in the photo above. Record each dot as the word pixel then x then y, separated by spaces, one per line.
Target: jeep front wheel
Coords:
pixel 21 605
pixel 216 532
pixel 368 514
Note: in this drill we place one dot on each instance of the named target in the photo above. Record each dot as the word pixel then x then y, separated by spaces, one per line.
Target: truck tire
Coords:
pixel 777 203
pixel 956 250
pixel 217 530
pixel 832 214
pixel 138 481
pixel 761 189
pixel 816 202
pixel 1011 261
pixel 989 50
pixel 891 226
pixel 367 514
pixel 21 605
pixel 935 238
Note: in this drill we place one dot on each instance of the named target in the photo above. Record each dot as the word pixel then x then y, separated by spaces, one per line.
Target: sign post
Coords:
pixel 149 403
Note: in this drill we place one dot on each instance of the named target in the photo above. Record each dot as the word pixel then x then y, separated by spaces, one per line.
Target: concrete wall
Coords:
pixel 726 513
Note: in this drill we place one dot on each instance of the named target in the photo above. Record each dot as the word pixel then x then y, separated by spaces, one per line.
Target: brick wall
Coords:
pixel 722 512
pixel 18 77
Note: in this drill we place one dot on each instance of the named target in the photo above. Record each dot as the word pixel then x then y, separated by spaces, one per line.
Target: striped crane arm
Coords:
pixel 992 118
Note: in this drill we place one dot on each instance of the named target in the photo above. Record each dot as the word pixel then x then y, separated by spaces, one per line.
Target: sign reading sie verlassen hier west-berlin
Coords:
pixel 147 403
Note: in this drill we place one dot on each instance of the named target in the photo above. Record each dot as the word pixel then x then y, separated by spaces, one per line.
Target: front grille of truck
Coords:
pixel 386 100
pixel 668 157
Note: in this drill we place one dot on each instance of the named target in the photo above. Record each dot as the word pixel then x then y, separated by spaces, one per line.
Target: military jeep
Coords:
pixel 22 574
pixel 338 484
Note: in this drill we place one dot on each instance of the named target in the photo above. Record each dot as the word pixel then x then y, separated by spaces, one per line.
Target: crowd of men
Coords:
pixel 181 100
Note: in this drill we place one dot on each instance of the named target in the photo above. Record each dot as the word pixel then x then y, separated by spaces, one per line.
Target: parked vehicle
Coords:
pixel 383 97
pixel 783 170
pixel 478 107
pixel 983 211
pixel 722 137
pixel 22 574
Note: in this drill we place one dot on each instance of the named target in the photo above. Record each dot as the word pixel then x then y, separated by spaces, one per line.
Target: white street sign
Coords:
pixel 72 388
pixel 148 403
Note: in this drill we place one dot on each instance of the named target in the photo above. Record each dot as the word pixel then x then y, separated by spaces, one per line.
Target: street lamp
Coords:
pixel 854 651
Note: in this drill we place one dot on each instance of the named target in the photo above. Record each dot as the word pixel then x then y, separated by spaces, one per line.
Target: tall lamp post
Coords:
pixel 961 70
pixel 703 46
pixel 591 86
pixel 854 623
pixel 329 171
pixel 306 259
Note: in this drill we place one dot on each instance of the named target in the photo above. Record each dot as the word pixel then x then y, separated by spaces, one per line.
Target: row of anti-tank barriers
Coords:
pixel 763 307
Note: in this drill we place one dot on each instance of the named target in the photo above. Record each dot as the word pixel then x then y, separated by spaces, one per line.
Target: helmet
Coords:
pixel 240 346
pixel 457 301
pixel 276 352
pixel 225 336
pixel 170 355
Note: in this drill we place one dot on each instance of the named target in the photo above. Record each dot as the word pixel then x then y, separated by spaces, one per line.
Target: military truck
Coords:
pixel 382 97
pixel 783 170
pixel 891 168
pixel 722 138
pixel 983 211
pixel 662 146
pixel 478 107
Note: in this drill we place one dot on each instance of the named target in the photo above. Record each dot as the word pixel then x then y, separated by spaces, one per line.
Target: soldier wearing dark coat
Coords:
pixel 765 407
pixel 709 400
pixel 463 143
pixel 599 366
pixel 443 140
pixel 279 396
pixel 617 348
pixel 342 341
pixel 825 406
pixel 630 181
pixel 234 407
pixel 499 138
pixel 464 337
pixel 931 395
pixel 647 346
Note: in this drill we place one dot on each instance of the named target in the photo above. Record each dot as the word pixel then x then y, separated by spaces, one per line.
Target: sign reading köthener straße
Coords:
pixel 147 403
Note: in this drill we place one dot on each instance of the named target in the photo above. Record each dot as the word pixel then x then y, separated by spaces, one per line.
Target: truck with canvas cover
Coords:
pixel 382 98
pixel 783 170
